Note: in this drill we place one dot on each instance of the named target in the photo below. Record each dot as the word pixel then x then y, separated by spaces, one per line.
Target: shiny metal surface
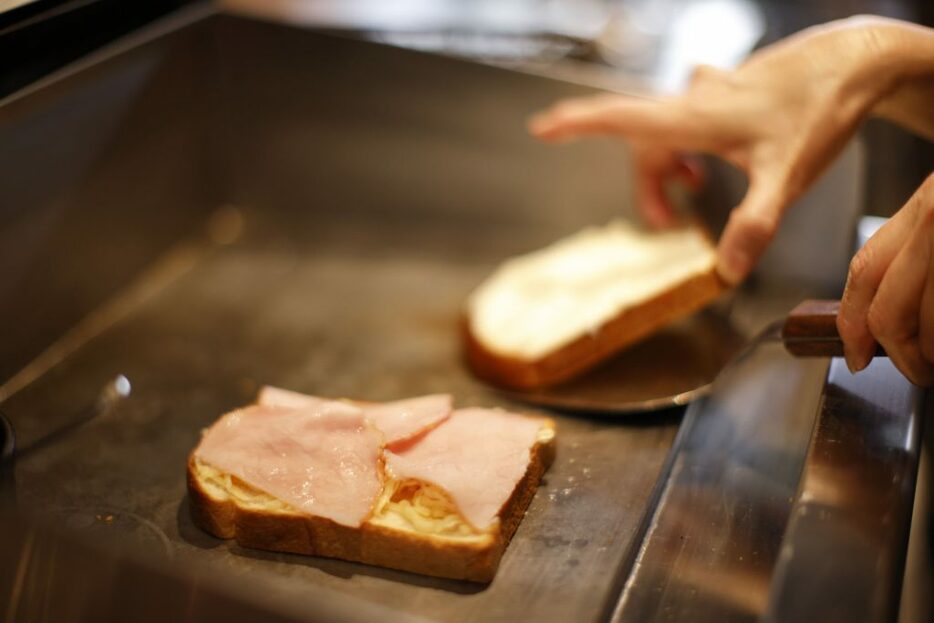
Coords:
pixel 785 501
pixel 198 350
pixel 762 519
pixel 843 553
pixel 110 395
pixel 710 547
pixel 49 576
pixel 361 230
pixel 99 174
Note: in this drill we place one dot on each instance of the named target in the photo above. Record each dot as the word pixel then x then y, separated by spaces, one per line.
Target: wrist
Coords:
pixel 887 54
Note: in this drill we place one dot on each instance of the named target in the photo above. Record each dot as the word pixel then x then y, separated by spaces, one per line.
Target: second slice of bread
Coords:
pixel 549 316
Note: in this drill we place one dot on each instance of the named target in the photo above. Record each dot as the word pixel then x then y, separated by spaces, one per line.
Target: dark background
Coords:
pixel 42 36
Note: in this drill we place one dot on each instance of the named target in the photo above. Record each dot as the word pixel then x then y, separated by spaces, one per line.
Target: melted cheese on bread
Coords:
pixel 537 303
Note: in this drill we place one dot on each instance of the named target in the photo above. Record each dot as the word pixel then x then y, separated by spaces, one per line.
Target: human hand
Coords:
pixel 781 118
pixel 889 295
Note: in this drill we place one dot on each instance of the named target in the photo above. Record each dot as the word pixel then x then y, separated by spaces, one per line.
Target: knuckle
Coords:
pixel 926 345
pixel 911 373
pixel 851 321
pixel 701 74
pixel 842 327
pixel 848 330
pixel 927 214
pixel 859 266
pixel 928 184
pixel 798 179
pixel 921 203
pixel 709 78
pixel 876 320
pixel 794 175
pixel 906 355
pixel 919 373
pixel 759 228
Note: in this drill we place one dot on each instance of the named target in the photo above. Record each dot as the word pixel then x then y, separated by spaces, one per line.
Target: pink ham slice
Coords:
pixel 322 459
pixel 400 420
pixel 404 419
pixel 477 455
pixel 278 397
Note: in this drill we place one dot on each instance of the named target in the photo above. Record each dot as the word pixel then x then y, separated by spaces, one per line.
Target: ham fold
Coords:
pixel 321 458
pixel 477 455
pixel 400 420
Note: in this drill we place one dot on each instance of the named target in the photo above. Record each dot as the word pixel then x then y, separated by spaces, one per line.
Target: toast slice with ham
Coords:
pixel 440 494
pixel 551 315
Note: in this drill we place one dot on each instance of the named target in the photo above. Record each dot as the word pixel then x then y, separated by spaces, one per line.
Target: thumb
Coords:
pixel 749 230
pixel 654 167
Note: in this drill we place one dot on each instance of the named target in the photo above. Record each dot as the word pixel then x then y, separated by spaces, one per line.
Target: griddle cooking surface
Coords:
pixel 361 309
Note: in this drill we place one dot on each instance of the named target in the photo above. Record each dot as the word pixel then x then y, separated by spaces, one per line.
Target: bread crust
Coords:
pixel 590 349
pixel 284 530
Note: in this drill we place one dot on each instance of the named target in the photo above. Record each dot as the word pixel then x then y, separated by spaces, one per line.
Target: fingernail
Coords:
pixel 863 362
pixel 850 361
pixel 850 357
pixel 856 361
pixel 538 124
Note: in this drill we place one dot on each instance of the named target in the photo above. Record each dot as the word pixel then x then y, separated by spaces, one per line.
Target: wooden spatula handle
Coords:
pixel 810 330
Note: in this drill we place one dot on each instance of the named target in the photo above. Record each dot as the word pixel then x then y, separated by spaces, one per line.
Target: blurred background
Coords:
pixel 633 45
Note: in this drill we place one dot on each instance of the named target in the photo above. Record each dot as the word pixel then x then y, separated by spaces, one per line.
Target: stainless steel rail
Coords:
pixel 843 554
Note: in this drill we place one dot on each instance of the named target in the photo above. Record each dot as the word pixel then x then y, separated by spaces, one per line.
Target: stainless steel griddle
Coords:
pixel 230 203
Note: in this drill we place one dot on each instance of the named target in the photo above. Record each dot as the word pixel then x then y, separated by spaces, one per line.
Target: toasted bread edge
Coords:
pixel 591 349
pixel 289 531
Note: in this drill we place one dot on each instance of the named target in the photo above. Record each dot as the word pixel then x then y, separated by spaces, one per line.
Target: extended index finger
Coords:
pixel 661 121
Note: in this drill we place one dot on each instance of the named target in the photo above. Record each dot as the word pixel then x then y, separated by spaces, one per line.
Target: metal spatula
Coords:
pixel 679 364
